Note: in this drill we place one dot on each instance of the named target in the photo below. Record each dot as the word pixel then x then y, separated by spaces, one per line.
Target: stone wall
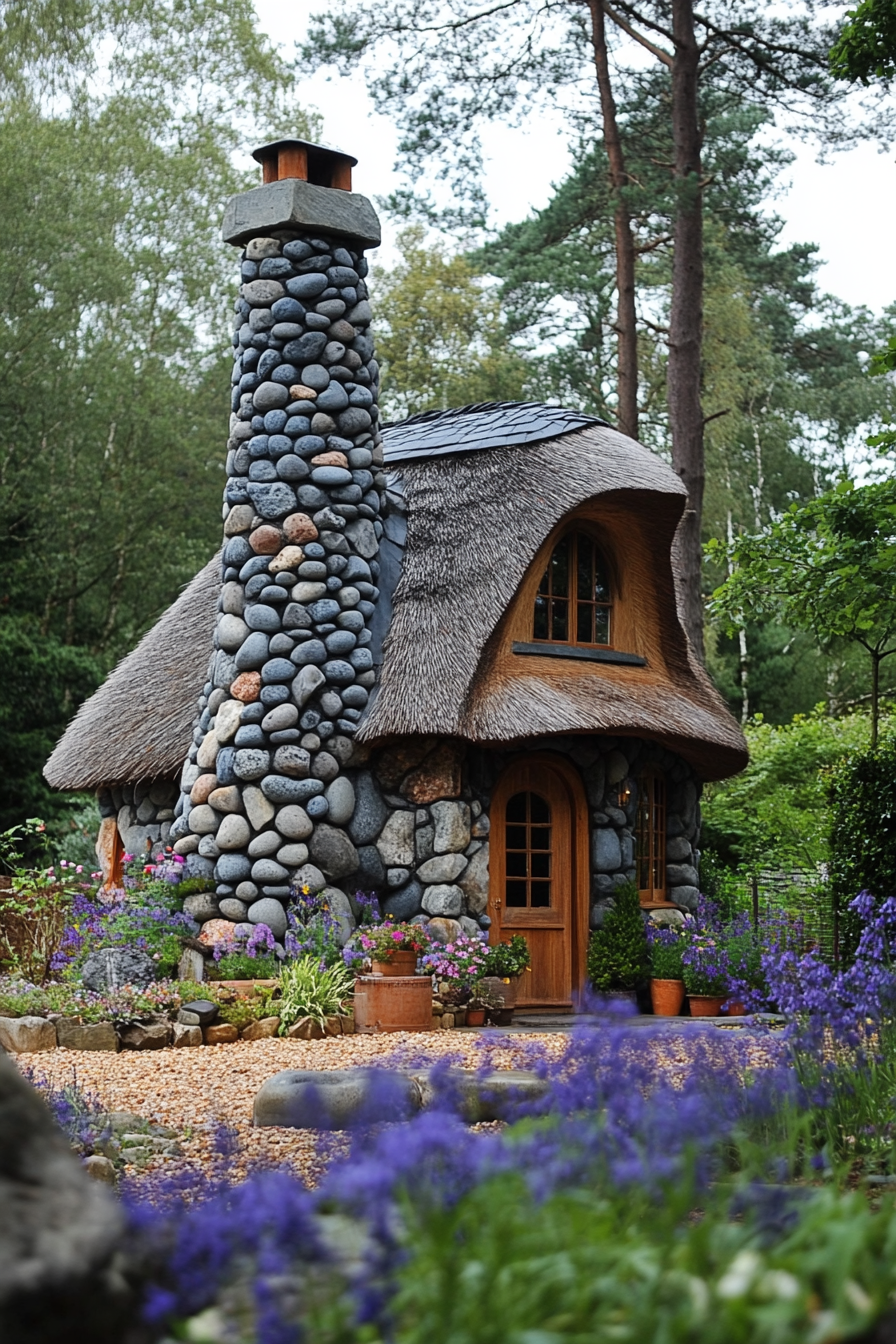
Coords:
pixel 142 813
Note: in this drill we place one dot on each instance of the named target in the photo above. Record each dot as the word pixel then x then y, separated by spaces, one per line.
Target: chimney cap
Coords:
pixel 325 151
pixel 323 161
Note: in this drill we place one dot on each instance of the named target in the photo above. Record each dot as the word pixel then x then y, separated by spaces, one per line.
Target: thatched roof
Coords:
pixel 475 523
pixel 139 723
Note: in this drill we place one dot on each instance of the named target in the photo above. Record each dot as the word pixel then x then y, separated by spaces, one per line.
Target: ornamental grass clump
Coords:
pixel 617 952
pixel 309 990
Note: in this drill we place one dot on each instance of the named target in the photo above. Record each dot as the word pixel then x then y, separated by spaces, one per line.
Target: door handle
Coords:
pixel 496 903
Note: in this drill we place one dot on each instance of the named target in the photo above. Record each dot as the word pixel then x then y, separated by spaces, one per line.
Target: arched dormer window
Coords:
pixel 573 604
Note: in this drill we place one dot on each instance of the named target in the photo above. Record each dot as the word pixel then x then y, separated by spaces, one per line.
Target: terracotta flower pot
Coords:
pixel 399 963
pixel 735 1010
pixel 706 1005
pixel 392 1003
pixel 475 1017
pixel 667 997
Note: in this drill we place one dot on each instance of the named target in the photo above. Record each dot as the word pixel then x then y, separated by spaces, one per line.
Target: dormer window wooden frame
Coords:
pixel 574 602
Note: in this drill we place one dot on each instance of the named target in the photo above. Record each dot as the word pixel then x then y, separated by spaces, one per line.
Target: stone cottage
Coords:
pixel 439 660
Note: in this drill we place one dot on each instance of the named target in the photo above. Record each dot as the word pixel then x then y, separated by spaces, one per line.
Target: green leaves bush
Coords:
pixel 863 832
pixel 617 953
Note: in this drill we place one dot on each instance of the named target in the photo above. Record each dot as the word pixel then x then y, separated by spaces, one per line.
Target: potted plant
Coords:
pixel 746 982
pixel 393 948
pixel 455 967
pixel 705 967
pixel 666 983
pixel 617 952
pixel 504 964
pixel 483 1001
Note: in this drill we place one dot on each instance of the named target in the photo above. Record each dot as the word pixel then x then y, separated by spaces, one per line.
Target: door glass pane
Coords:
pixel 650 837
pixel 516 893
pixel 584 620
pixel 516 809
pixel 527 838
pixel 601 625
pixel 539 809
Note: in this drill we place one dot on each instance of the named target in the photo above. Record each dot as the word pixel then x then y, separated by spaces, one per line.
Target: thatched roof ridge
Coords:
pixel 138 724
pixel 475 525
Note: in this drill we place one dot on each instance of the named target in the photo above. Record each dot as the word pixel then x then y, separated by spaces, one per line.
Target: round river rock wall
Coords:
pixel 264 798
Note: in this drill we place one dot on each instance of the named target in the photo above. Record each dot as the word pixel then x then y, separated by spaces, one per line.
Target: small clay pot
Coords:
pixel 706 1005
pixel 399 963
pixel 475 1017
pixel 735 1010
pixel 667 997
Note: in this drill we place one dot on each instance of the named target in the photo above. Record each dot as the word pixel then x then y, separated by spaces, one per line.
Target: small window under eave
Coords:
pixel 574 600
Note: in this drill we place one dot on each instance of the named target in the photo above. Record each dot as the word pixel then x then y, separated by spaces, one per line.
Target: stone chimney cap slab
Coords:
pixel 294 204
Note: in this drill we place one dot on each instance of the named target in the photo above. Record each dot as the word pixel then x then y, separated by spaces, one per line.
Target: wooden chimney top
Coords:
pixel 300 159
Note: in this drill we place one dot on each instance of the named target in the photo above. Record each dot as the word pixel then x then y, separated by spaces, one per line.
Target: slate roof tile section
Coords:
pixel 472 429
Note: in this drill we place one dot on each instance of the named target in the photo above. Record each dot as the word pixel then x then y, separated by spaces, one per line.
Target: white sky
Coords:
pixel 845 206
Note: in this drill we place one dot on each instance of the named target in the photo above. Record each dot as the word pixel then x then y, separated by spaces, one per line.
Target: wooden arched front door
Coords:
pixel 538 875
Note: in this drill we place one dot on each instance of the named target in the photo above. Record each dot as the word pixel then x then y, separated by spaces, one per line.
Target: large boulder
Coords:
pixel 24 1035
pixel 112 968
pixel 335 1098
pixel 60 1233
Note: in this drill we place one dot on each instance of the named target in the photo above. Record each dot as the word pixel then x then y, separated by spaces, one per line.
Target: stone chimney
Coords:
pixel 264 793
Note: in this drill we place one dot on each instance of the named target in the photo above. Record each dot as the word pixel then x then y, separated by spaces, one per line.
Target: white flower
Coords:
pixel 738 1277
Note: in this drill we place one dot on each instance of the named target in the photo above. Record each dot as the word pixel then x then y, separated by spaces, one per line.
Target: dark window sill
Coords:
pixel 587 655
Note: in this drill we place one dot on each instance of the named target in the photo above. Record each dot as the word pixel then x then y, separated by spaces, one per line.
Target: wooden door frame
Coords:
pixel 580 847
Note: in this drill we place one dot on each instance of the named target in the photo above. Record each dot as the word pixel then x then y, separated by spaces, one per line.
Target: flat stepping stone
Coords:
pixel 342 1098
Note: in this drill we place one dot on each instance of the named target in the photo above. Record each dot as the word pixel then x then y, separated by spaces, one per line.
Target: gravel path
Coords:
pixel 195 1090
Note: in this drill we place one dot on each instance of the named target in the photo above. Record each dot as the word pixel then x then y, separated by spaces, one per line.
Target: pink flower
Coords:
pixel 397 935
pixel 80 868
pixel 449 947
pixel 127 858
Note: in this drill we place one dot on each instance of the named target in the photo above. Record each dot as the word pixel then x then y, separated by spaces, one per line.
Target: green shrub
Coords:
pixel 307 990
pixel 240 966
pixel 617 953
pixel 508 959
pixel 863 833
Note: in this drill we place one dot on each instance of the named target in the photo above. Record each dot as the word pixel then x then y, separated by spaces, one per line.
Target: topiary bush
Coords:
pixel 863 834
pixel 617 952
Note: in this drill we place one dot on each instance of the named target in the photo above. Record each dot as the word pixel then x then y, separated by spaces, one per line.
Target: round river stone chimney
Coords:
pixel 264 794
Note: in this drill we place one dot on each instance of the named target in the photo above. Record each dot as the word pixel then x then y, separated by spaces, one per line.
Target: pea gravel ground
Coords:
pixel 194 1091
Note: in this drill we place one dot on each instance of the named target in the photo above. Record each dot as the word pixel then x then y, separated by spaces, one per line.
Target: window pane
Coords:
pixel 545 585
pixel 540 628
pixel 516 837
pixel 541 894
pixel 559 620
pixel 541 837
pixel 540 865
pixel 584 554
pixel 584 617
pixel 540 810
pixel 516 808
pixel 516 863
pixel 560 569
pixel 601 625
pixel 601 583
pixel 516 893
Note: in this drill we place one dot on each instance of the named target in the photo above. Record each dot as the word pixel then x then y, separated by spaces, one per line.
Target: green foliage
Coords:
pixel 121 133
pixel 600 1263
pixel 508 959
pixel 44 681
pixel 442 339
pixel 307 990
pixel 866 47
pixel 242 1011
pixel 863 832
pixel 240 966
pixel 617 952
pixel 826 567
pixel 776 813
pixel 665 958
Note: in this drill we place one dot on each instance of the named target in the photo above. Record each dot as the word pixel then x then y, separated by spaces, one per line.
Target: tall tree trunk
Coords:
pixel 626 323
pixel 686 318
